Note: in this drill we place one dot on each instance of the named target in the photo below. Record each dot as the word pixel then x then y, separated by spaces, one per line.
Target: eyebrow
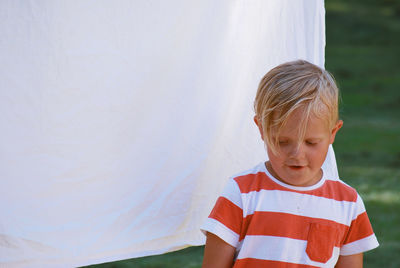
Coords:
pixel 305 138
pixel 314 139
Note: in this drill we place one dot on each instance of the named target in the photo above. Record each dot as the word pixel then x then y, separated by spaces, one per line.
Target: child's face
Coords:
pixel 298 162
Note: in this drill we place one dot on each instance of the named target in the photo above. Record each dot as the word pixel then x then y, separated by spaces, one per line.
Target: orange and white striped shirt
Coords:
pixel 272 224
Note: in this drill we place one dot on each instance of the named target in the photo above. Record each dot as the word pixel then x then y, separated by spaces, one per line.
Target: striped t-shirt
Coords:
pixel 272 224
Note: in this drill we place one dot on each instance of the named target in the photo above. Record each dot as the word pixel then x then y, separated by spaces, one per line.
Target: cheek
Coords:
pixel 318 156
pixel 273 157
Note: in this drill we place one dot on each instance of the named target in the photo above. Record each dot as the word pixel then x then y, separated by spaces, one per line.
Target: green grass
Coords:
pixel 380 189
pixel 363 53
pixel 363 41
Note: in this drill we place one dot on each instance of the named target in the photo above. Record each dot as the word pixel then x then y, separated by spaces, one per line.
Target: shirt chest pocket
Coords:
pixel 321 240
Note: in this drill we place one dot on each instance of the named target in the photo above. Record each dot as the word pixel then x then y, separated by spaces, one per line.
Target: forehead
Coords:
pixel 314 126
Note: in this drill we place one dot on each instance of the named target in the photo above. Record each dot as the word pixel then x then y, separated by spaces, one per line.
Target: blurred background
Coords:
pixel 363 53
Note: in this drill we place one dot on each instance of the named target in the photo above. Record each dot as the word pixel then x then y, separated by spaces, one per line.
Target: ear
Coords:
pixel 260 128
pixel 335 129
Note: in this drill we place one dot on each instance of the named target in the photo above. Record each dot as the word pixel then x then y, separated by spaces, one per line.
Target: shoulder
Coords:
pixel 250 179
pixel 341 191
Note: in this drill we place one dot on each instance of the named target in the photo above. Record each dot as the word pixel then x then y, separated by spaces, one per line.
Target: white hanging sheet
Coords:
pixel 122 120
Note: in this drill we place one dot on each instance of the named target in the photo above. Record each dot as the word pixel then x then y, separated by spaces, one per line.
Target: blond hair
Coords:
pixel 293 85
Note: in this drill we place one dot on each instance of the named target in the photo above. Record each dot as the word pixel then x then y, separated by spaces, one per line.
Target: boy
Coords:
pixel 287 212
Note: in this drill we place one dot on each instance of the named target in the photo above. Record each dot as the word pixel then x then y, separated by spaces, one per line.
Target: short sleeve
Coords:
pixel 360 236
pixel 225 219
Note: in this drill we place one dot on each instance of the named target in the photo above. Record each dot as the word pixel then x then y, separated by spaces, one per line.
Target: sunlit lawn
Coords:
pixel 363 53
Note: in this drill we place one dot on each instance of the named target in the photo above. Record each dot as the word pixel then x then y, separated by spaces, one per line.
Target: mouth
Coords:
pixel 294 167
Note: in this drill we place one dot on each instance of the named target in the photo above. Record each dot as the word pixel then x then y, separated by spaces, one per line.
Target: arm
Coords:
pixel 217 253
pixel 353 261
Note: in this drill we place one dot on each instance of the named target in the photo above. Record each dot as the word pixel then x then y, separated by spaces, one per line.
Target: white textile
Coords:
pixel 121 120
